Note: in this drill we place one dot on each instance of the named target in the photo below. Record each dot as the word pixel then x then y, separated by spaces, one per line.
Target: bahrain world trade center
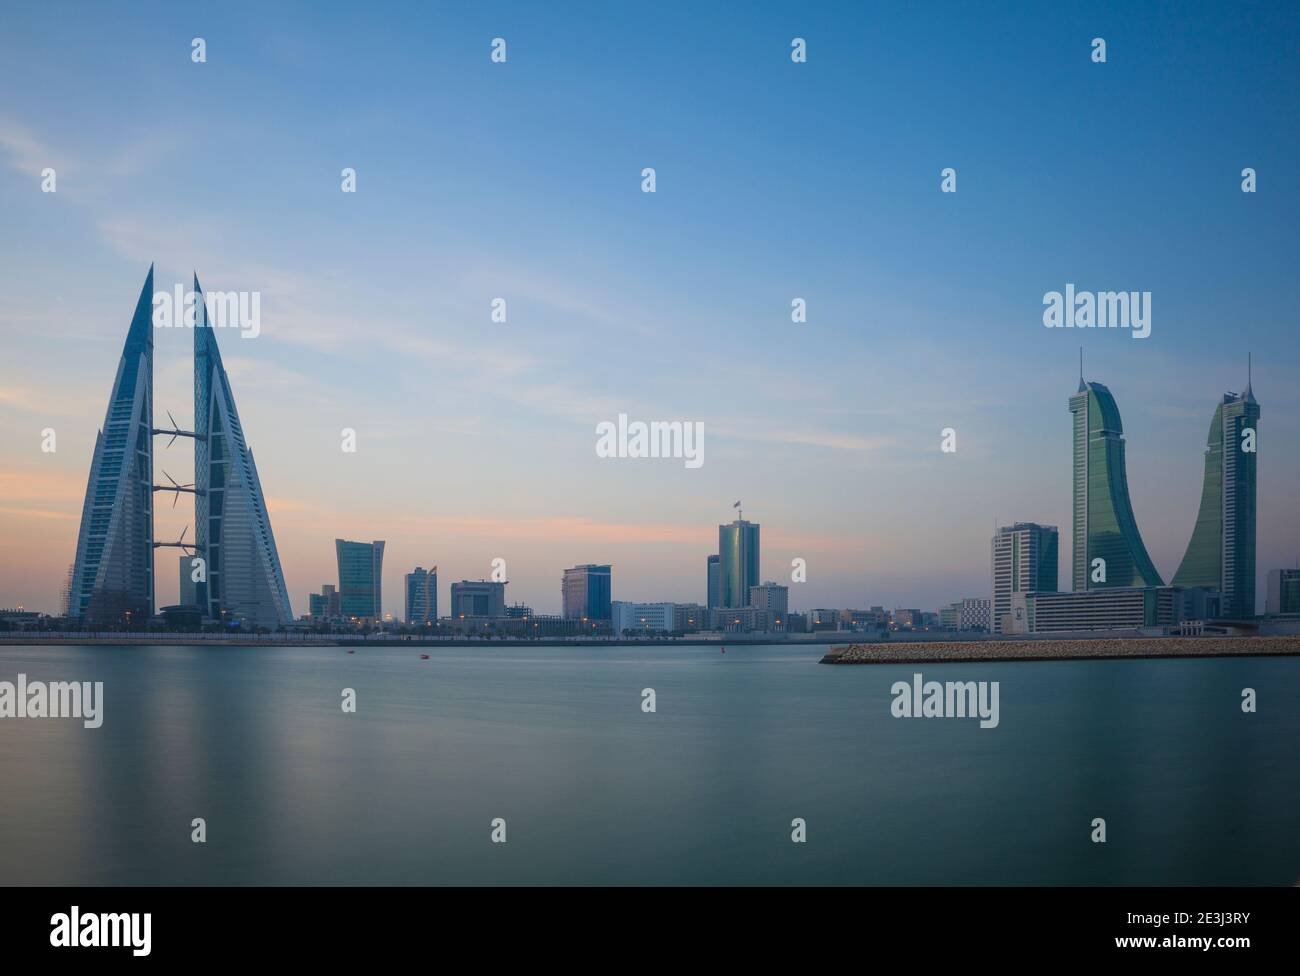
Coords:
pixel 237 574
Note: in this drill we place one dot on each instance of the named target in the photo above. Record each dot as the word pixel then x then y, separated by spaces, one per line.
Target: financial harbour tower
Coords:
pixel 1221 553
pixel 113 572
pixel 1104 526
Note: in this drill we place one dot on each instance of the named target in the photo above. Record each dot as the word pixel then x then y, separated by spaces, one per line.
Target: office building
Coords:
pixel 586 591
pixel 950 617
pixel 1025 558
pixel 189 589
pixel 422 596
pixel 1104 526
pixel 738 551
pixel 714 582
pixel 747 620
pixel 770 596
pixel 325 604
pixel 643 618
pixel 1112 608
pixel 1283 591
pixel 361 574
pixel 690 617
pixel 232 527
pixel 977 614
pixel 478 598
pixel 969 614
pixel 112 577
pixel 1221 553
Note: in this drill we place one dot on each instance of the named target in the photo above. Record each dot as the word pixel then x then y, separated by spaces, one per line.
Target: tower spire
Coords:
pixel 1249 394
pixel 1082 385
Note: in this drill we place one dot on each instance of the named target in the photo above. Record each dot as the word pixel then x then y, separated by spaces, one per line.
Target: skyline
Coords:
pixel 476 439
pixel 1103 521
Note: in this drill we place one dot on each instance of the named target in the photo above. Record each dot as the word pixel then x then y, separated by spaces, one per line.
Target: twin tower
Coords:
pixel 1221 553
pixel 235 566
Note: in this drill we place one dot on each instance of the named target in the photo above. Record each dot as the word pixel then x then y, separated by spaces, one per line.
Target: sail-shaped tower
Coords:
pixel 112 575
pixel 232 527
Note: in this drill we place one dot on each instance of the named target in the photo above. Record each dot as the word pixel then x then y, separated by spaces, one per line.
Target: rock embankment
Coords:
pixel 1060 650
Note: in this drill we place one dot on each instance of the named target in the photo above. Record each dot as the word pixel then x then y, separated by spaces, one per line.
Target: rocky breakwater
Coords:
pixel 930 652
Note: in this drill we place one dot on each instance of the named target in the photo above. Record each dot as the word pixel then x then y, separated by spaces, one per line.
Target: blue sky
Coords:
pixel 774 180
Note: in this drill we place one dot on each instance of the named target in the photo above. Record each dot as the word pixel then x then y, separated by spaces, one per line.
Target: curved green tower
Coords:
pixel 1104 526
pixel 1221 553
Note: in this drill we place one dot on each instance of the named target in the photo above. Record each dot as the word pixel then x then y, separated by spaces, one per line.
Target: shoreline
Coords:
pixel 249 640
pixel 938 652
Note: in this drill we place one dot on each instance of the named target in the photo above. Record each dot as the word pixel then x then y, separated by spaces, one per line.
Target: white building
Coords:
pixel 651 618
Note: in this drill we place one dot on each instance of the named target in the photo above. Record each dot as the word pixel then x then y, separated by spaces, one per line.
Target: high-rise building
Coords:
pixel 478 598
pixel 189 589
pixel 1025 557
pixel 325 604
pixel 231 523
pixel 1221 553
pixel 714 582
pixel 112 577
pixel 738 549
pixel 422 596
pixel 586 592
pixel 1283 591
pixel 1104 526
pixel 770 596
pixel 361 575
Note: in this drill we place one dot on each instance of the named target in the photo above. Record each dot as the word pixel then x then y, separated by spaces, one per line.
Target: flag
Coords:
pixel 737 505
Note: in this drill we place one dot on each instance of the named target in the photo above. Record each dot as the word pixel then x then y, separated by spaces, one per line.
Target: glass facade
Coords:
pixel 1025 558
pixel 361 571
pixel 422 596
pixel 1221 552
pixel 1104 526
pixel 245 582
pixel 586 592
pixel 113 572
pixel 737 562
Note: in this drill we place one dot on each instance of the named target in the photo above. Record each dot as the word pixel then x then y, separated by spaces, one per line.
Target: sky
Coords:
pixel 775 180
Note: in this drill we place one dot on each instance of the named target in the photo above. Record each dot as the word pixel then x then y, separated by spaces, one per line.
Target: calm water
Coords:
pixel 593 790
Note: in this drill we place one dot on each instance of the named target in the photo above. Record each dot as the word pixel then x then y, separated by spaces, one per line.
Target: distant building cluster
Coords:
pixel 230 575
pixel 1115 584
